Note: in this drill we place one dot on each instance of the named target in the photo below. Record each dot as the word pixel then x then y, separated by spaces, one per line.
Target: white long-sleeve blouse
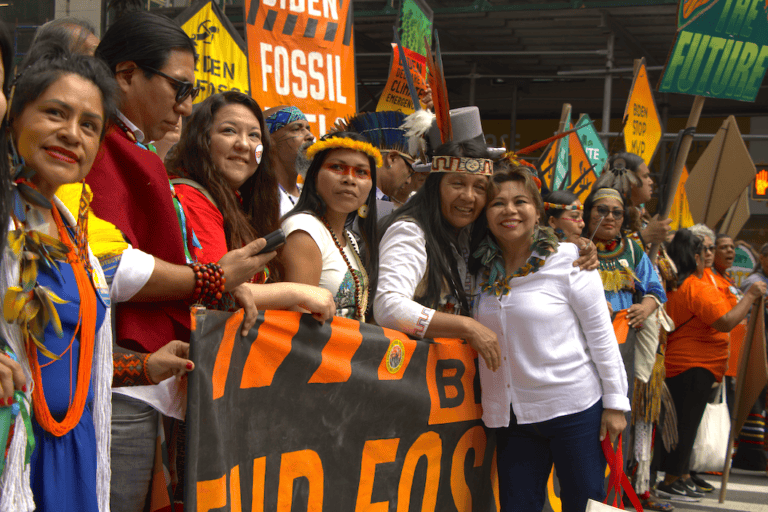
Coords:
pixel 559 351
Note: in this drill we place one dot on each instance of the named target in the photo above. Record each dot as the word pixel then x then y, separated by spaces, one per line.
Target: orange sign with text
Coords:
pixel 642 128
pixel 396 95
pixel 302 54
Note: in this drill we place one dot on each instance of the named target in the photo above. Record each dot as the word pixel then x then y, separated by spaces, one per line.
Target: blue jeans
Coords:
pixel 526 453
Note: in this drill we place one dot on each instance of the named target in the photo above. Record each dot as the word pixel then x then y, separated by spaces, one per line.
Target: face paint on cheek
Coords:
pixel 257 154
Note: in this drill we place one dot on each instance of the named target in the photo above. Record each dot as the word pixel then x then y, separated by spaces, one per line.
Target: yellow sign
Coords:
pixel 642 128
pixel 303 54
pixel 221 62
pixel 680 212
pixel 396 95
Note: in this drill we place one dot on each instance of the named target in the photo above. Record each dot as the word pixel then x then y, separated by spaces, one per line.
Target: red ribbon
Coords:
pixel 618 478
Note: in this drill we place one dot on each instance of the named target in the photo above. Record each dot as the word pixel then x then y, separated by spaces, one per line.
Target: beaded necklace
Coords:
pixel 361 284
pixel 544 242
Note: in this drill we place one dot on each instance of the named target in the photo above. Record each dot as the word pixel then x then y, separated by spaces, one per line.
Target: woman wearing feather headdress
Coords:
pixel 561 387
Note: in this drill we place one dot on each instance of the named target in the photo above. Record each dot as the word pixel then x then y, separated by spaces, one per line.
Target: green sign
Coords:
pixel 415 24
pixel 593 146
pixel 562 164
pixel 720 51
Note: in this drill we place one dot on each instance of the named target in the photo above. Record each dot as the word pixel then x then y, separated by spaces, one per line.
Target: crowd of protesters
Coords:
pixel 124 205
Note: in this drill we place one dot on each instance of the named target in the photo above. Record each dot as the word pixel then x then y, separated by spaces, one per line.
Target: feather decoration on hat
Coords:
pixel 415 126
pixel 617 177
pixel 383 129
pixel 439 91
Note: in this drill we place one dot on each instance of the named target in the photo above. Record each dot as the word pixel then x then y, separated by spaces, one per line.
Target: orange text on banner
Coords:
pixel 396 95
pixel 302 54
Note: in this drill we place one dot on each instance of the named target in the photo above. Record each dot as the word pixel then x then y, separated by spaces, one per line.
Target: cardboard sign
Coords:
pixel 221 64
pixel 396 95
pixel 301 53
pixel 720 50
pixel 415 24
pixel 720 175
pixel 642 128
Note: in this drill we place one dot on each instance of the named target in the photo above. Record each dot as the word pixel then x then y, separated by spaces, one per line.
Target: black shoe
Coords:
pixel 676 490
pixel 693 491
pixel 702 484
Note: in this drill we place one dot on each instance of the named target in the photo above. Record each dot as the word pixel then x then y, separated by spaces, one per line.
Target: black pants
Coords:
pixel 690 392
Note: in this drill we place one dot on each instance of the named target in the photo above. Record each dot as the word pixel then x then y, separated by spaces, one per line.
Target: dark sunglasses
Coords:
pixel 183 89
pixel 604 211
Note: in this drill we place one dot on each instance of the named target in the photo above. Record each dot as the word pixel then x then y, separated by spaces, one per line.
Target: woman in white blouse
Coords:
pixel 424 285
pixel 561 386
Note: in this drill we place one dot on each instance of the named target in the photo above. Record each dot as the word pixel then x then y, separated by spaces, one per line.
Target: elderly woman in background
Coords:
pixel 561 386
pixel 697 352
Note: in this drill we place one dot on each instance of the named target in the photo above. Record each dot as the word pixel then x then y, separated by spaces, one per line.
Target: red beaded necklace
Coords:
pixel 361 290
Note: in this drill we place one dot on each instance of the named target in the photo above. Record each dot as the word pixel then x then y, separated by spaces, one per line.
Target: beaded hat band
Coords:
pixel 478 166
pixel 555 206
pixel 345 143
pixel 608 193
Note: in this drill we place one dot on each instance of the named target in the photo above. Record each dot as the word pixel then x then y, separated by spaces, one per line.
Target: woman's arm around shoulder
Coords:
pixel 402 265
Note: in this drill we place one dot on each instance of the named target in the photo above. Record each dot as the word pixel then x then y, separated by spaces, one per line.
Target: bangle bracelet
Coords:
pixel 209 283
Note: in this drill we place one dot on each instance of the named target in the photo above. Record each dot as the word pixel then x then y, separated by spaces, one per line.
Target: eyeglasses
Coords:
pixel 183 88
pixel 709 248
pixel 604 211
pixel 361 173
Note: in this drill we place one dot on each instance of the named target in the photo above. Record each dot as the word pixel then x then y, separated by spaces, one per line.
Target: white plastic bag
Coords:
pixel 711 445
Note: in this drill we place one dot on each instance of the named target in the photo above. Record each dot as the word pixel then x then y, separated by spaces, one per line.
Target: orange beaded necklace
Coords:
pixel 86 327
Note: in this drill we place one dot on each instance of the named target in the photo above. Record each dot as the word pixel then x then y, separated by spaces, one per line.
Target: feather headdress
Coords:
pixel 617 177
pixel 383 129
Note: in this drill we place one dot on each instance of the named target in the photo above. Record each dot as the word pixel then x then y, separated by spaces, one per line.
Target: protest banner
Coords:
pixel 301 53
pixel 415 24
pixel 340 416
pixel 222 64
pixel 642 128
pixel 720 50
pixel 396 95
pixel 721 174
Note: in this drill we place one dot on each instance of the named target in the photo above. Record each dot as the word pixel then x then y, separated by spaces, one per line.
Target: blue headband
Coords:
pixel 284 117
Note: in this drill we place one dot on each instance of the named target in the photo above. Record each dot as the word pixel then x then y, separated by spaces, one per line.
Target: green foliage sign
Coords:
pixel 720 51
pixel 415 25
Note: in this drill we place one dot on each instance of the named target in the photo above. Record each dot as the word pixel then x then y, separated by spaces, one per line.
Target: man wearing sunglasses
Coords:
pixel 153 61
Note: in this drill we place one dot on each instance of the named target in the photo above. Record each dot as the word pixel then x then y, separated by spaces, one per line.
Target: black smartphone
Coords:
pixel 274 240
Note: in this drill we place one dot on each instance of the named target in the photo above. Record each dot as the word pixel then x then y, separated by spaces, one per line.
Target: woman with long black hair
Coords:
pixel 424 284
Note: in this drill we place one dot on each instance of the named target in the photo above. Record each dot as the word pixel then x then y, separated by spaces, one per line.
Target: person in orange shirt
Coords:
pixel 697 352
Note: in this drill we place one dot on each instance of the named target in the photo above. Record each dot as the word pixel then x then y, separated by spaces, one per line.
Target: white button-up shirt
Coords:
pixel 559 351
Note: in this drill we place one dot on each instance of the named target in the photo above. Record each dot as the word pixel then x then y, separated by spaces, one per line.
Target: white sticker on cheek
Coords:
pixel 257 153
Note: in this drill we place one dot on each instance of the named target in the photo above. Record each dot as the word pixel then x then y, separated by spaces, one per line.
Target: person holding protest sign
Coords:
pixel 290 137
pixel 565 214
pixel 697 353
pixel 153 62
pixel 561 386
pixel 424 284
pixel 319 250
pixel 226 193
